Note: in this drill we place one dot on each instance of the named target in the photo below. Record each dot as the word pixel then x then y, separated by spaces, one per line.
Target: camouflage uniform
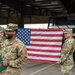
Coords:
pixel 15 52
pixel 1 31
pixel 67 56
pixel 1 38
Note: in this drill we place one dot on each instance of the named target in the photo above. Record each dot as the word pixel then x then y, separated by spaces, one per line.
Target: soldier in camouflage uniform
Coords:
pixel 67 53
pixel 1 34
pixel 1 37
pixel 14 52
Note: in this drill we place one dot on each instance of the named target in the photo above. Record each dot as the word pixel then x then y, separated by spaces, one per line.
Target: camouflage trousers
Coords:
pixel 66 70
pixel 11 71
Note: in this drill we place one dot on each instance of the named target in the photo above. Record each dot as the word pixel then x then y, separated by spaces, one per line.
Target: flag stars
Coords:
pixel 24 35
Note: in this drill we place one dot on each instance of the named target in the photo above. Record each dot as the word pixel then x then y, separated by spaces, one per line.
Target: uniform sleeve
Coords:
pixel 1 48
pixel 21 57
pixel 74 46
pixel 66 50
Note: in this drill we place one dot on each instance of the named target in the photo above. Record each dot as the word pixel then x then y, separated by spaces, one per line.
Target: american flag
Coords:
pixel 43 45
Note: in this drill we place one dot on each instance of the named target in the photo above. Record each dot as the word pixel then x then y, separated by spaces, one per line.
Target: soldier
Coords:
pixel 14 53
pixel 1 37
pixel 1 34
pixel 67 53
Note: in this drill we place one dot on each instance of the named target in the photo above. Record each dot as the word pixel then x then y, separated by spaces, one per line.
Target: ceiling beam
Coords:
pixel 14 4
pixel 69 5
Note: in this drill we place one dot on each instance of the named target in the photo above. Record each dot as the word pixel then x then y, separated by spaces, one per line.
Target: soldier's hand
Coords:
pixel 58 62
pixel 5 63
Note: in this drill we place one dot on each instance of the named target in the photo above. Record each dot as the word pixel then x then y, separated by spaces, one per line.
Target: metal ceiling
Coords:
pixel 27 8
pixel 33 7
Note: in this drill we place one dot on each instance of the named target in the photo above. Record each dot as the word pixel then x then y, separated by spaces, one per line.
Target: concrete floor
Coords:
pixel 31 68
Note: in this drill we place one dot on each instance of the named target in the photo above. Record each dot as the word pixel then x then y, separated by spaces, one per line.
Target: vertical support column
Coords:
pixel 74 38
pixel 8 16
pixel 50 22
pixel 20 20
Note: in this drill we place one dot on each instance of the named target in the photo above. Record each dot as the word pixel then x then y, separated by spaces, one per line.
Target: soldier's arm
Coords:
pixel 0 49
pixel 74 46
pixel 66 51
pixel 21 57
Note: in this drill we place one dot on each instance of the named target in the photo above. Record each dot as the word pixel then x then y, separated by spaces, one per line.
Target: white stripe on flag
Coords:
pixel 43 58
pixel 44 53
pixel 46 43
pixel 45 32
pixel 44 48
pixel 49 37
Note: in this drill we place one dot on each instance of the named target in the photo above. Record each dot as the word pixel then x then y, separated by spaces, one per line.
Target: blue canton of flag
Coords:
pixel 24 35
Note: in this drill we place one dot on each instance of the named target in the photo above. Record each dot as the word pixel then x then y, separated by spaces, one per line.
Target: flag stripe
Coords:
pixel 51 29
pixel 50 32
pixel 46 40
pixel 43 53
pixel 46 35
pixel 43 58
pixel 38 50
pixel 46 45
pixel 50 56
pixel 41 61
pixel 44 48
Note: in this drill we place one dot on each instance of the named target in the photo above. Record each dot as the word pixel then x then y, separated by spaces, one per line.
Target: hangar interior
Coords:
pixel 57 12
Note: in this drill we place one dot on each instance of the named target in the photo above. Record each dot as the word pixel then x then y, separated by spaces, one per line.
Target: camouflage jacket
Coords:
pixel 67 51
pixel 15 52
pixel 1 41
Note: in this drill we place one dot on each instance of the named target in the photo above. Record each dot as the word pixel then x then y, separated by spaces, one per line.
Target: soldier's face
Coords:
pixel 9 34
pixel 66 35
pixel 1 34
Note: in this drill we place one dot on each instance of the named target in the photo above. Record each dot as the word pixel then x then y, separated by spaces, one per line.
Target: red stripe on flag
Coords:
pixel 40 55
pixel 46 45
pixel 48 30
pixel 42 61
pixel 46 40
pixel 46 34
pixel 38 50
